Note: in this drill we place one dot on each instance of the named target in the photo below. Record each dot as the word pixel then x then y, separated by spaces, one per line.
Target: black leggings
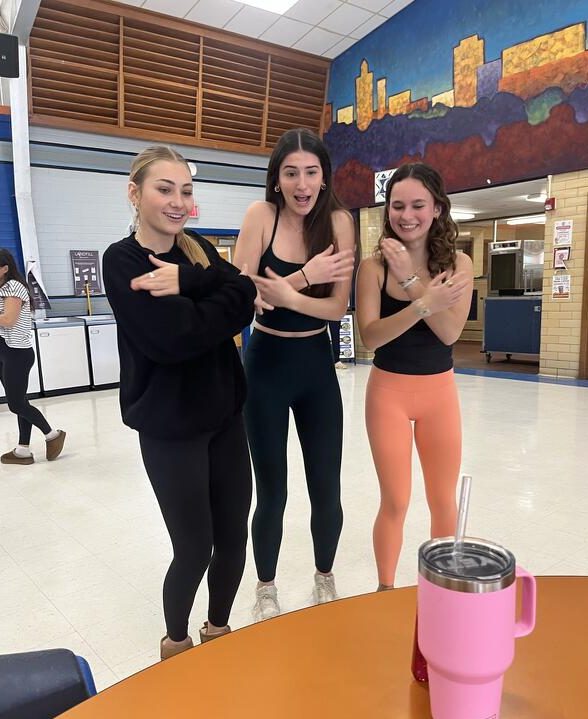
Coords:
pixel 15 367
pixel 297 373
pixel 203 486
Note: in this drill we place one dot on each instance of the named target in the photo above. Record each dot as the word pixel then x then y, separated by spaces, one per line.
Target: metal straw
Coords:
pixel 462 513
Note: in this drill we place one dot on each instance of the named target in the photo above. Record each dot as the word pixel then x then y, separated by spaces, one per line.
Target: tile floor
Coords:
pixel 83 548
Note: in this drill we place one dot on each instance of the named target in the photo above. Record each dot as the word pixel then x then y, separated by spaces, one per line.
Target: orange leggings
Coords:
pixel 431 402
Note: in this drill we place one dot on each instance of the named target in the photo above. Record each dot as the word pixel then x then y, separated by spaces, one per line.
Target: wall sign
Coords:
pixel 85 265
pixel 561 287
pixel 346 338
pixel 562 232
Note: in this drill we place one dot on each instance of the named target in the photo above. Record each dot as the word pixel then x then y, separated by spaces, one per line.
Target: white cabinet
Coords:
pixel 62 353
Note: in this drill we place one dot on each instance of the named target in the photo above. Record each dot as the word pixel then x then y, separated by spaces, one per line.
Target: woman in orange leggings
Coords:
pixel 413 298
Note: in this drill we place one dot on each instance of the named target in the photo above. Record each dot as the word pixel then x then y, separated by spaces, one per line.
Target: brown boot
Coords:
pixel 206 637
pixel 54 446
pixel 168 648
pixel 12 458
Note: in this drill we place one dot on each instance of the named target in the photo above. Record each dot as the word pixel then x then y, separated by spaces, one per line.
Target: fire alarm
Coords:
pixel 550 204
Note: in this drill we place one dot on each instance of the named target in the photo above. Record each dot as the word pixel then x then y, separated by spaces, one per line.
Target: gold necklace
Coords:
pixel 292 227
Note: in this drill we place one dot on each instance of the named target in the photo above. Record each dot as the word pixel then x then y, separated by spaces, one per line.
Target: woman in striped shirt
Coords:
pixel 16 359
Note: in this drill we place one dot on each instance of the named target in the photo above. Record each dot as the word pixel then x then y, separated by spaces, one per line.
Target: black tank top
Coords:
pixel 282 318
pixel 416 351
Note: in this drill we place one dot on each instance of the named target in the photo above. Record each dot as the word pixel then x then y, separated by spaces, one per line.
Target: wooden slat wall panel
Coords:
pixel 132 72
pixel 74 63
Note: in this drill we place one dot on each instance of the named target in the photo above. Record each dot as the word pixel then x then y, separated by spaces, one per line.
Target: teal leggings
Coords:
pixel 295 373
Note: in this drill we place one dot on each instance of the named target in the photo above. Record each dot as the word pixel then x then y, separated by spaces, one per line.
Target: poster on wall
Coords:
pixel 562 232
pixel 347 339
pixel 40 299
pixel 561 287
pixel 85 265
pixel 560 256
pixel 380 181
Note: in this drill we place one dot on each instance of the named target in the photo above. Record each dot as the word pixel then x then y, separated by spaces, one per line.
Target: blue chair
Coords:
pixel 44 684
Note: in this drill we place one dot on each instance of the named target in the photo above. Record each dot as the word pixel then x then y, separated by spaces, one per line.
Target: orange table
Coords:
pixel 351 658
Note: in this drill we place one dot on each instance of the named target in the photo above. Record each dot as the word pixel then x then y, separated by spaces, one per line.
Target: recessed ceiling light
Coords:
pixel 458 215
pixel 529 220
pixel 277 6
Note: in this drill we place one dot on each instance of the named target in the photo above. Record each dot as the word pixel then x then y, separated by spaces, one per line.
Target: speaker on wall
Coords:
pixel 8 55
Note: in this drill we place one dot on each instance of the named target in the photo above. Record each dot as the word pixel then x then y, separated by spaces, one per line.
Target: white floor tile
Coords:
pixel 83 548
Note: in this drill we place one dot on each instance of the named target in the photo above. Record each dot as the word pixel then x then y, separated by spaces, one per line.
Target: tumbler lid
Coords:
pixel 480 566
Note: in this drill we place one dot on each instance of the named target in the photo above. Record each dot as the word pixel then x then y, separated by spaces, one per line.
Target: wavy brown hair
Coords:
pixel 318 225
pixel 139 169
pixel 443 231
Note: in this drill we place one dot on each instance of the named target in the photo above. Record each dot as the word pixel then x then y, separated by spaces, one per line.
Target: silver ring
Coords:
pixel 151 274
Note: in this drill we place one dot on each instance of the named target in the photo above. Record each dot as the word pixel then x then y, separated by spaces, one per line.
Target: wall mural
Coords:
pixel 486 92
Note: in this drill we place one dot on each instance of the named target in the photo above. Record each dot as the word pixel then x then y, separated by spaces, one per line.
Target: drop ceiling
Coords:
pixel 501 201
pixel 320 27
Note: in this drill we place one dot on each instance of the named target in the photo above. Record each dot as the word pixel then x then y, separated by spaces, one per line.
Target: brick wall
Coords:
pixel 561 322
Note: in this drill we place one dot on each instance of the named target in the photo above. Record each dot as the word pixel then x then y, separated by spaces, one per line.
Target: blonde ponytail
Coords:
pixel 192 250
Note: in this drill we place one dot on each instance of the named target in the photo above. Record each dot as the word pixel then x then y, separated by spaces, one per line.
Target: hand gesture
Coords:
pixel 276 291
pixel 165 280
pixel 329 266
pixel 259 303
pixel 397 258
pixel 441 295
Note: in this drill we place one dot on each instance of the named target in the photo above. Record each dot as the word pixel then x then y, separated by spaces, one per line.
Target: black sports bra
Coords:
pixel 416 351
pixel 281 318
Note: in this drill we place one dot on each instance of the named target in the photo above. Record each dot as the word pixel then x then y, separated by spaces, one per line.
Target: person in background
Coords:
pixel 16 360
pixel 299 244
pixel 413 298
pixel 178 306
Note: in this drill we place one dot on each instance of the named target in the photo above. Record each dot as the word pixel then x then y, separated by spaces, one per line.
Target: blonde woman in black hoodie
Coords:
pixel 178 306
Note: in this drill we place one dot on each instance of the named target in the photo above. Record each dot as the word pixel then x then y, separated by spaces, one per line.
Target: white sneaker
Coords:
pixel 340 365
pixel 324 588
pixel 266 602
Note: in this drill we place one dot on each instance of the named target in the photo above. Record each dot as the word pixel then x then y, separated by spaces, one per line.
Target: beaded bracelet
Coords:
pixel 408 282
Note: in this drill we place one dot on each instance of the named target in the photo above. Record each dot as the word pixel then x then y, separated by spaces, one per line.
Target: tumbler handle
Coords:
pixel 526 623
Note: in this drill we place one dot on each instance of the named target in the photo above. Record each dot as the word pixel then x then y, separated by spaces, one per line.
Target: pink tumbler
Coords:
pixel 467 625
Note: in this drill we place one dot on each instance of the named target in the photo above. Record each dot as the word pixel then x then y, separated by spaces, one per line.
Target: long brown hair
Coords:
pixel 443 231
pixel 139 169
pixel 318 225
pixel 6 259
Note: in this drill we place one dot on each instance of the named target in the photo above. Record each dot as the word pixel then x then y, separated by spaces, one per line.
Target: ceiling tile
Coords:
pixel 286 32
pixel 215 13
pixel 340 47
pixel 177 8
pixel 313 11
pixel 317 41
pixel 394 7
pixel 373 5
pixel 252 21
pixel 371 24
pixel 345 19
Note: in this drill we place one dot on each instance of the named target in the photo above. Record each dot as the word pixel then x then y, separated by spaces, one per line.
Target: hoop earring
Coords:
pixel 277 188
pixel 323 186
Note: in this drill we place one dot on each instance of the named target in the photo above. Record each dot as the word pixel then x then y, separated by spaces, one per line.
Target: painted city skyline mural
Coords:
pixel 486 92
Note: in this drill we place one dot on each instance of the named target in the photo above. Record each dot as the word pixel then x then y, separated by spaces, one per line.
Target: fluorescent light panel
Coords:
pixel 458 215
pixel 529 220
pixel 277 6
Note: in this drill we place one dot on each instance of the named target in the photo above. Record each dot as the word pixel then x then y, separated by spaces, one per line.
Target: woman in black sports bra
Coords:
pixel 299 246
